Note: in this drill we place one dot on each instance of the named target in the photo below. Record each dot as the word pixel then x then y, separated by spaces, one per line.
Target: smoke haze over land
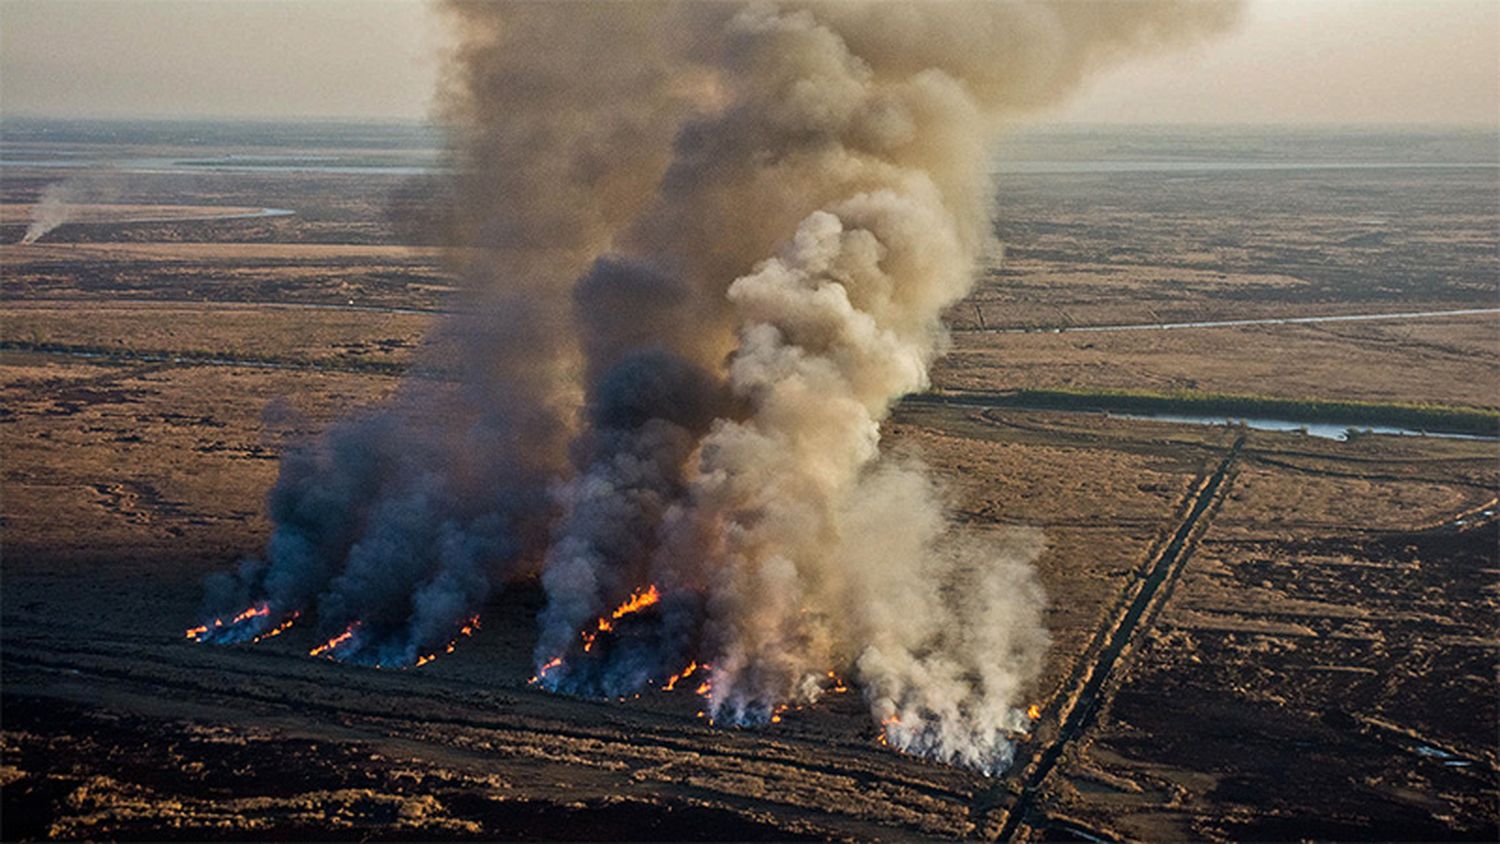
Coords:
pixel 59 202
pixel 49 212
pixel 707 247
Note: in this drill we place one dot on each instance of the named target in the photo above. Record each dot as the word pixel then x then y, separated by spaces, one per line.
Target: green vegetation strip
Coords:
pixel 1423 417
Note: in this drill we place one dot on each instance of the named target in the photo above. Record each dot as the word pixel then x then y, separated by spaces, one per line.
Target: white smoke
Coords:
pixel 708 247
pixel 853 135
pixel 52 209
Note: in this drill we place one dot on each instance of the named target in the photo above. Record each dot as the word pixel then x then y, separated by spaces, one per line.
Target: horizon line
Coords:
pixel 1017 123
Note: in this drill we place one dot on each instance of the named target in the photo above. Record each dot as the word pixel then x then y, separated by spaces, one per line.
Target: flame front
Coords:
pixel 681 675
pixel 464 632
pixel 542 672
pixel 252 612
pixel 592 643
pixel 886 725
pixel 278 629
pixel 202 632
pixel 638 602
pixel 335 642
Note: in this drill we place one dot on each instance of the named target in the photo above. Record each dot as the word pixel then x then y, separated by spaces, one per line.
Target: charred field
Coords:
pixel 1255 634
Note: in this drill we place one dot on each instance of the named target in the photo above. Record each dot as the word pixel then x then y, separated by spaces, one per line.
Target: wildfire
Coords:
pixel 278 629
pixel 252 612
pixel 638 601
pixel 885 724
pixel 681 675
pixel 1034 712
pixel 838 687
pixel 256 611
pixel 463 632
pixel 542 672
pixel 335 641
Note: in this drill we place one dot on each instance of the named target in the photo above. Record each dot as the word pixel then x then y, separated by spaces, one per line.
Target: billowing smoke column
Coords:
pixel 397 524
pixel 708 248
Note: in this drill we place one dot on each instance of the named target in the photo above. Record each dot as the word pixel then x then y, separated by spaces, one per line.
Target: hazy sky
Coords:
pixel 1290 61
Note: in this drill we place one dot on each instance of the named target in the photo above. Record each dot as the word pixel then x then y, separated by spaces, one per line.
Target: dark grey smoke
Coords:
pixel 706 248
pixel 646 409
pixel 392 522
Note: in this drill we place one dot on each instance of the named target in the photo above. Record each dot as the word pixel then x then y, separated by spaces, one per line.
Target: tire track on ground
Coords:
pixel 1078 708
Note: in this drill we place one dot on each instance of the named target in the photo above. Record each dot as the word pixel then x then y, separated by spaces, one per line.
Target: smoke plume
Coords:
pixel 707 248
pixel 70 199
pixel 50 211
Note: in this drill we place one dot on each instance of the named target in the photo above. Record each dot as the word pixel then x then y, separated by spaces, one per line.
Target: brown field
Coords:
pixel 229 254
pixel 277 333
pixel 11 215
pixel 1255 635
pixel 1447 360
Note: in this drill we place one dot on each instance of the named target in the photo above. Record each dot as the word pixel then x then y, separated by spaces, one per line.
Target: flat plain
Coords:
pixel 1256 634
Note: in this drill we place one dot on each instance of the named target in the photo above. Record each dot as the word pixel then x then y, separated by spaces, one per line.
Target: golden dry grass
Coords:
pixel 1453 363
pixel 230 330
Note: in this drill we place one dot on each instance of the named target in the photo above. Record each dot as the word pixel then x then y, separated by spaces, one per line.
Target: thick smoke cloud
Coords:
pixel 707 248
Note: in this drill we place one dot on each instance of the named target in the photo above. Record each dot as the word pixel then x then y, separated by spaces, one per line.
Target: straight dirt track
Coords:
pixel 1141 602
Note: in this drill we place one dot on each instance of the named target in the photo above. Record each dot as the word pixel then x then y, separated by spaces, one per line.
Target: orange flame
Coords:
pixel 681 675
pixel 466 630
pixel 638 601
pixel 885 724
pixel 335 641
pixel 542 672
pixel 249 613
pixel 252 612
pixel 1034 712
pixel 278 629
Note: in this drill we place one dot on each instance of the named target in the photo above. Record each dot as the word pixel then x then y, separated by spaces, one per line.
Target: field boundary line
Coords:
pixel 1147 594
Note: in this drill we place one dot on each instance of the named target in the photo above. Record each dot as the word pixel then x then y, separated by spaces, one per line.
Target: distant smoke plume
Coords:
pixel 65 201
pixel 708 247
pixel 53 208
